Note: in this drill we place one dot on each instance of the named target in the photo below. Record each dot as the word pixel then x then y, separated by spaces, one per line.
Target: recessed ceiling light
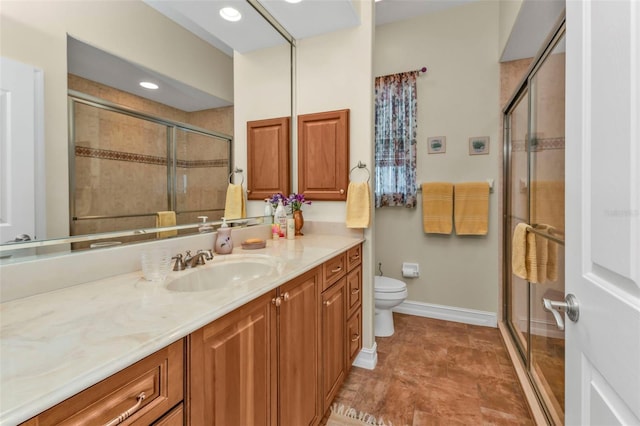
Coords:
pixel 149 85
pixel 230 14
pixel 293 1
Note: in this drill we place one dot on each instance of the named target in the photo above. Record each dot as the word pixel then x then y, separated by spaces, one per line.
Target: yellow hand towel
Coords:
pixel 437 207
pixel 547 203
pixel 358 205
pixel 471 208
pixel 523 253
pixel 235 207
pixel 547 266
pixel 166 218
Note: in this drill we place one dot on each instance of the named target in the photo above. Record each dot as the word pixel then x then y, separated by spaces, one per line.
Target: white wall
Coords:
pixel 509 10
pixel 458 98
pixel 334 72
pixel 35 32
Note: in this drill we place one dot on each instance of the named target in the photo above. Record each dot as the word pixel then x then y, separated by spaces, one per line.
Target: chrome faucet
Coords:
pixel 198 259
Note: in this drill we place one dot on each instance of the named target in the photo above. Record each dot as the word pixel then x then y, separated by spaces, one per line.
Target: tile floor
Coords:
pixel 433 372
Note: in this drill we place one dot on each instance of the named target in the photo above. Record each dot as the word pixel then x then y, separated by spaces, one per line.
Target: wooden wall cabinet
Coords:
pixel 323 155
pixel 159 376
pixel 268 159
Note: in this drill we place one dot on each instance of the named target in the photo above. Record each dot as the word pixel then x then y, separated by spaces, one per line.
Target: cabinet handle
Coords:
pixel 277 301
pixel 355 337
pixel 355 291
pixel 124 416
pixel 338 269
pixel 355 257
pixel 285 296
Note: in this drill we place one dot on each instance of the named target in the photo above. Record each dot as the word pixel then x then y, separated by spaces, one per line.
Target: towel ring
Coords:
pixel 237 170
pixel 361 165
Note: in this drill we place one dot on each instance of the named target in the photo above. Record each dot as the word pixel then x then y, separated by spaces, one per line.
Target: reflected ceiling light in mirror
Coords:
pixel 149 85
pixel 230 14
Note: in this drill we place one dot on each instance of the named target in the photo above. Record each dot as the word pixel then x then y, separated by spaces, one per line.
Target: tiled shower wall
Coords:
pixel 121 162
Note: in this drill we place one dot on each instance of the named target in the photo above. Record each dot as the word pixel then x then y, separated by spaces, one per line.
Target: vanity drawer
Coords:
pixel 354 290
pixel 354 337
pixel 354 257
pixel 159 376
pixel 334 269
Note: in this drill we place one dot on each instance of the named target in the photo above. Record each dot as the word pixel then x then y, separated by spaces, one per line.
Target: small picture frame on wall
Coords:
pixel 479 145
pixel 437 144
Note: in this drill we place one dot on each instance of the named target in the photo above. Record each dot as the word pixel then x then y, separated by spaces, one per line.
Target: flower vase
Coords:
pixel 299 221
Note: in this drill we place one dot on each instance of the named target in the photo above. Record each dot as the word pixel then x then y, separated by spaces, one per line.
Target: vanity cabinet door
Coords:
pixel 323 155
pixel 233 368
pixel 299 390
pixel 268 158
pixel 333 340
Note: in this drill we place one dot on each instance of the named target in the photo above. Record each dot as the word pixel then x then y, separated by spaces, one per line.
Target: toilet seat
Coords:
pixel 388 285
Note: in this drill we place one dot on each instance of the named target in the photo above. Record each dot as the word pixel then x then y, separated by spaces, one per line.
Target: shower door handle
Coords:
pixel 570 306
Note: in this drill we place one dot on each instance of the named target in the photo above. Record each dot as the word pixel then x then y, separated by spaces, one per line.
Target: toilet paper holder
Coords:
pixel 410 270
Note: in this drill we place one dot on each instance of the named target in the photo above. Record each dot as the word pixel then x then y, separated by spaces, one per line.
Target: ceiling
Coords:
pixel 305 19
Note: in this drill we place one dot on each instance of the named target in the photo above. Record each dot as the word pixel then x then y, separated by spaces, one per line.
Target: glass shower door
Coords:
pixel 534 177
pixel 546 194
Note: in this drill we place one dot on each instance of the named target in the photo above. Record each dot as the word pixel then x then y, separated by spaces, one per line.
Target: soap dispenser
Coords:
pixel 224 243
pixel 204 227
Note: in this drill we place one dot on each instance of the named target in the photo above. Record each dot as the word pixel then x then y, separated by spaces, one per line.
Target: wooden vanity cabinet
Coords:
pixel 260 361
pixel 333 340
pixel 159 376
pixel 233 367
pixel 354 304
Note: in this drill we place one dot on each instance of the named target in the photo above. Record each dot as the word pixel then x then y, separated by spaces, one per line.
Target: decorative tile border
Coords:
pixel 106 154
pixel 543 144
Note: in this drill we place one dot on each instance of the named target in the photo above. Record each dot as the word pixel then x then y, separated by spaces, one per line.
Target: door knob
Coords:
pixel 570 306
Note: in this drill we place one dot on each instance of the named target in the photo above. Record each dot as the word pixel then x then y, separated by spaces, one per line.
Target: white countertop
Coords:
pixel 56 344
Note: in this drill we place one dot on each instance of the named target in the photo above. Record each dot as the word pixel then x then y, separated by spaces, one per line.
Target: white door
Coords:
pixel 603 212
pixel 20 99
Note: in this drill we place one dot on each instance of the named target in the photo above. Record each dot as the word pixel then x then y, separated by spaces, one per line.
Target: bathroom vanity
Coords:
pixel 272 348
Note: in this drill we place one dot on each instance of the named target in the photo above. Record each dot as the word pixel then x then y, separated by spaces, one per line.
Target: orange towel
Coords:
pixel 437 207
pixel 166 218
pixel 358 205
pixel 471 207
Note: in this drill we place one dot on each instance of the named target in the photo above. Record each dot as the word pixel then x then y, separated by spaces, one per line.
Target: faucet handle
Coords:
pixel 180 262
pixel 208 254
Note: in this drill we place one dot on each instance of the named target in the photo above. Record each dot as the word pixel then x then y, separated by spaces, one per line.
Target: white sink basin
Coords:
pixel 225 271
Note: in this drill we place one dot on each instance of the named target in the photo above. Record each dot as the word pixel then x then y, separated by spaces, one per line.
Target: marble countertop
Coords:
pixel 56 344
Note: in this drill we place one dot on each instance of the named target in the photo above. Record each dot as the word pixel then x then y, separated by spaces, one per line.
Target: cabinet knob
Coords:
pixel 355 291
pixel 285 296
pixel 277 301
pixel 341 191
pixel 248 191
pixel 326 303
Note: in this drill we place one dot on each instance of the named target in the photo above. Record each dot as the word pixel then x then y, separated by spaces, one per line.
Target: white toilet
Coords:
pixel 389 293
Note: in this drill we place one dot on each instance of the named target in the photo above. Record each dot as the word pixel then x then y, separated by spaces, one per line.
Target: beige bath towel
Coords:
pixel 358 205
pixel 437 207
pixel 471 208
pixel 166 218
pixel 235 207
pixel 548 259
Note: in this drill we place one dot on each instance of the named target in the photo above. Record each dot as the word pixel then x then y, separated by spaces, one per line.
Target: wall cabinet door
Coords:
pixel 233 367
pixel 323 155
pixel 333 340
pixel 299 332
pixel 268 158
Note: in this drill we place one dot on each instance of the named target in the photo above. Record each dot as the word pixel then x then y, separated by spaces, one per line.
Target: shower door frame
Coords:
pixel 172 128
pixel 523 90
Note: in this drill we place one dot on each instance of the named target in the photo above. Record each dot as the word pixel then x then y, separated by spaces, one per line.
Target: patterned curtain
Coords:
pixel 395 150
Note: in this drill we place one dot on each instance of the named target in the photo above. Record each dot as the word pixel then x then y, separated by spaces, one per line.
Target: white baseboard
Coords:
pixel 367 358
pixel 448 313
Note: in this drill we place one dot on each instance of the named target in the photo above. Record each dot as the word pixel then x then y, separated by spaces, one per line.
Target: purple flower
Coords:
pixel 275 198
pixel 296 201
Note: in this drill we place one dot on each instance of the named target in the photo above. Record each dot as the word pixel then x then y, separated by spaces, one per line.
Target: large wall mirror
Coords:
pixel 112 153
